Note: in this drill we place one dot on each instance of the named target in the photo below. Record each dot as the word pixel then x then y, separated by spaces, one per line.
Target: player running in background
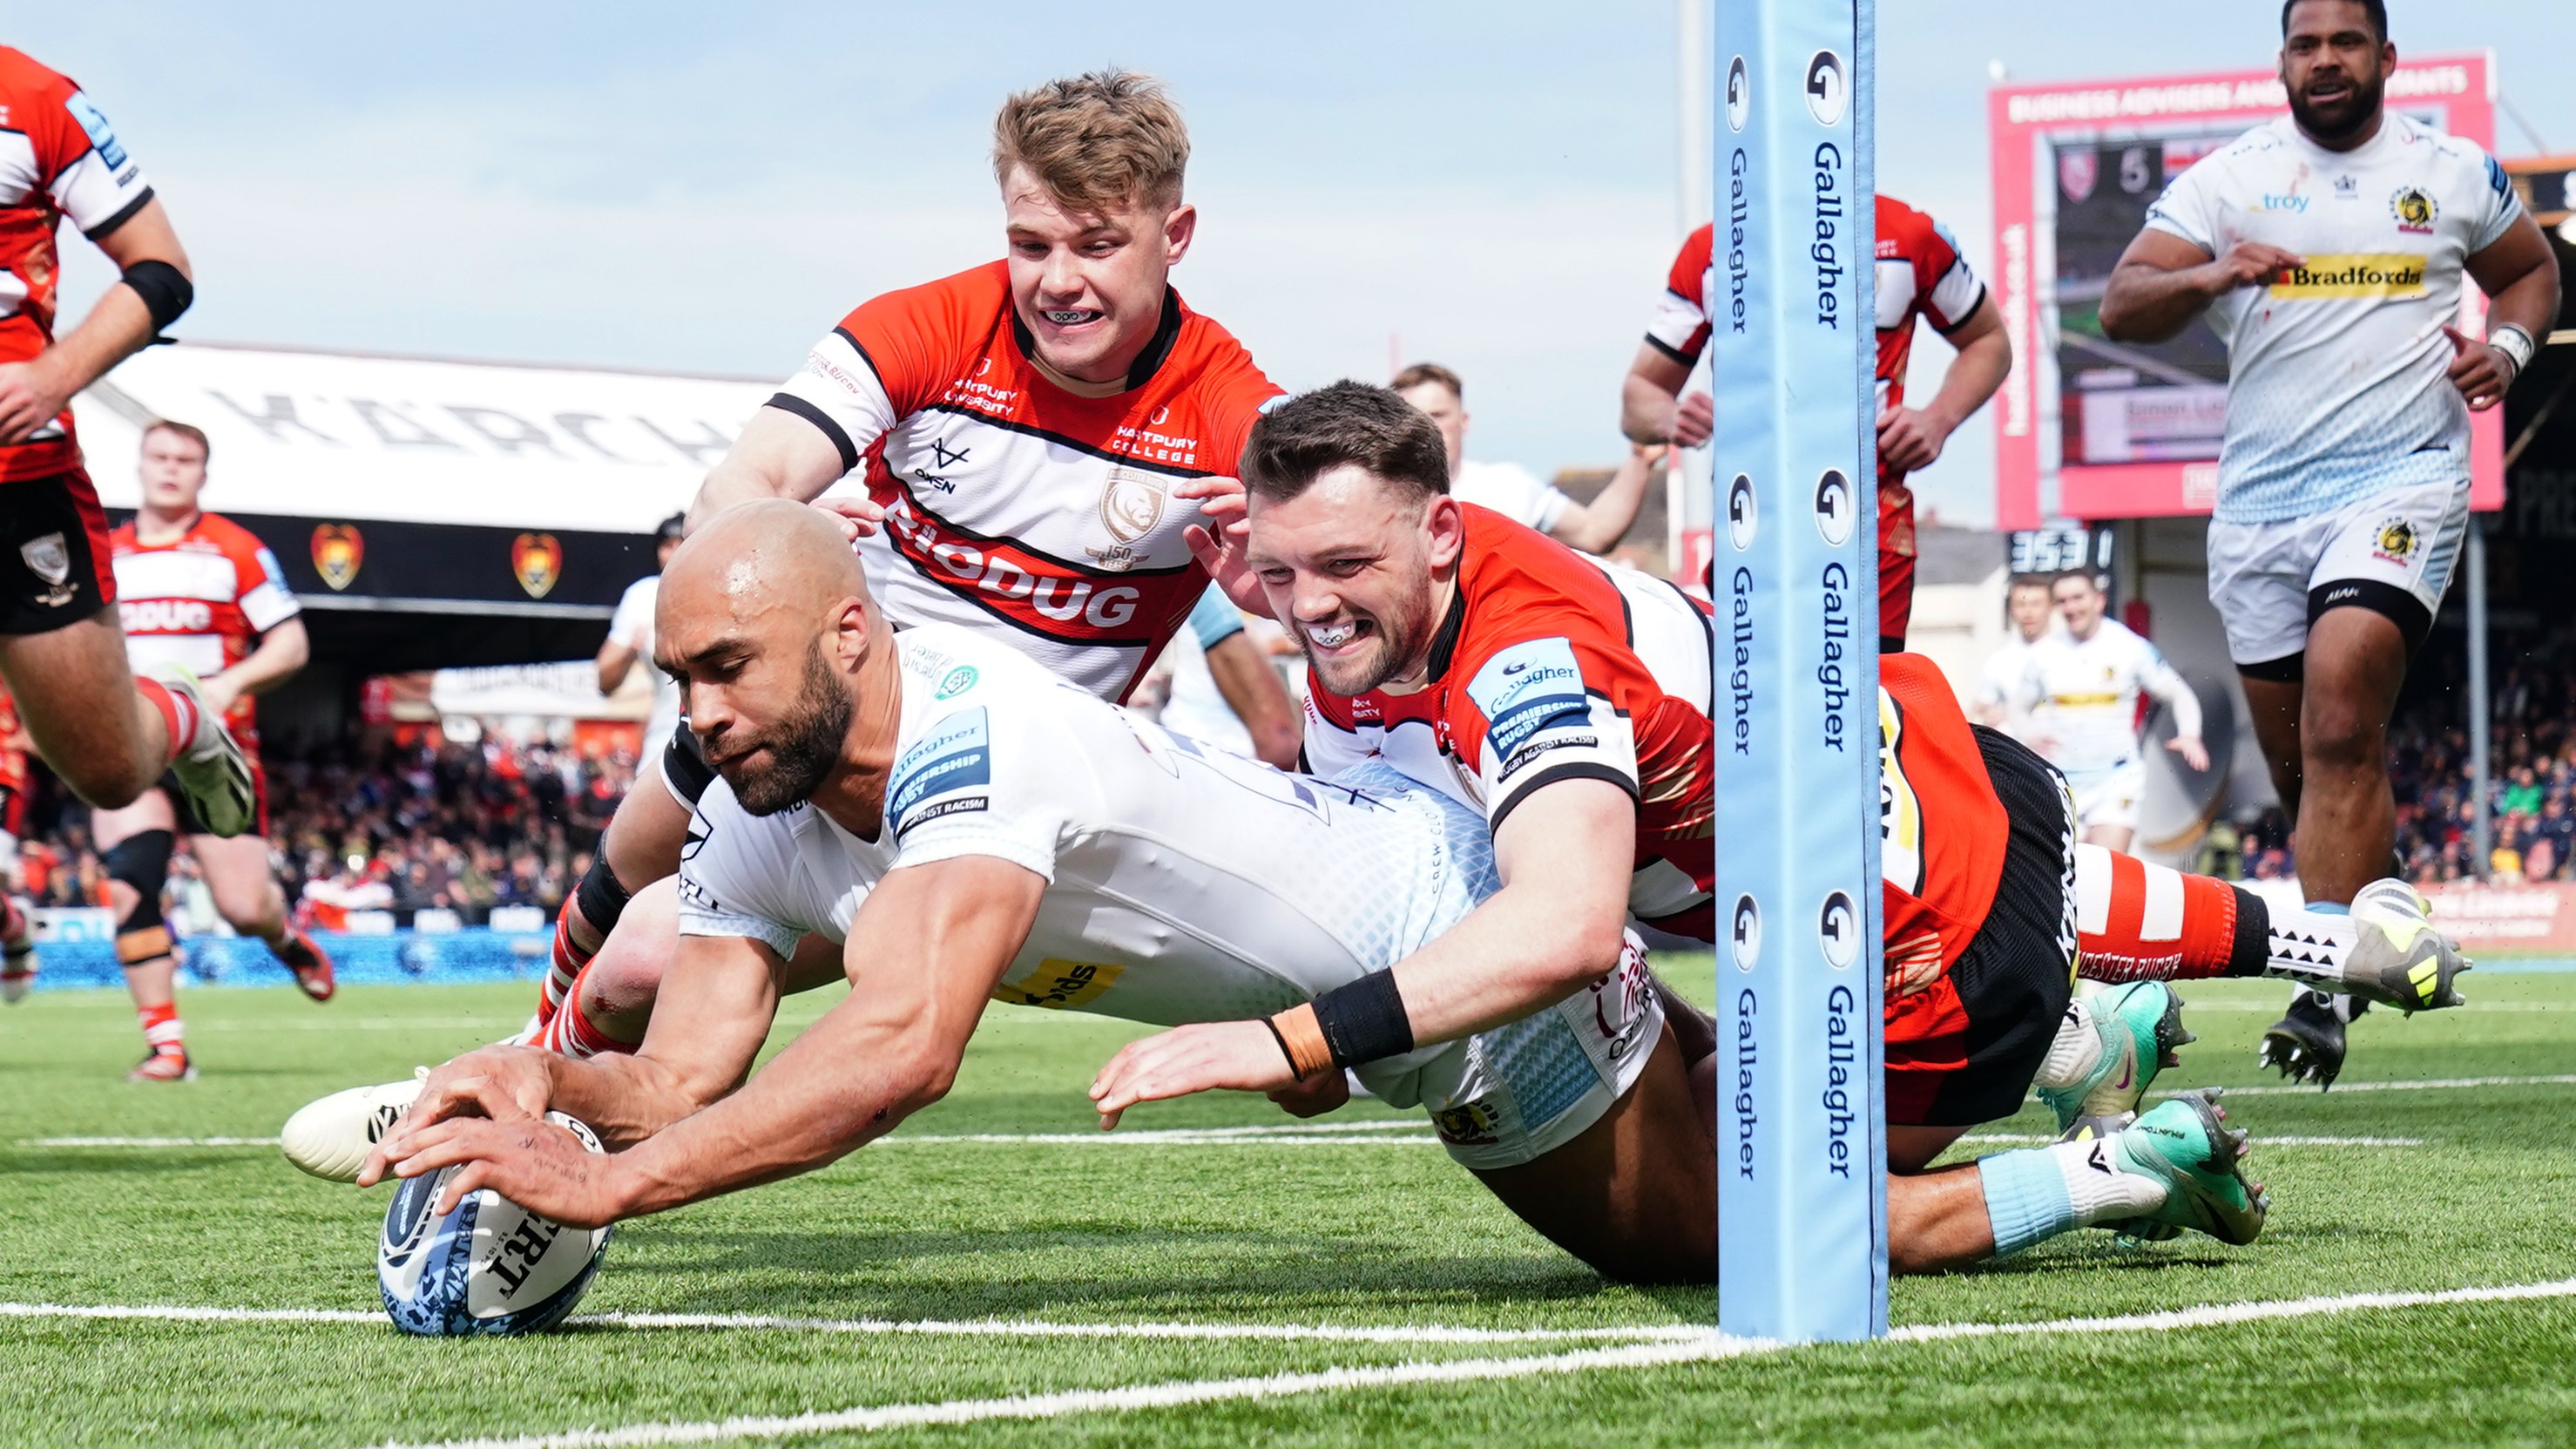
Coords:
pixel 2032 614
pixel 630 642
pixel 2077 704
pixel 1034 433
pixel 108 732
pixel 18 959
pixel 1515 492
pixel 2328 248
pixel 200 592
pixel 1920 273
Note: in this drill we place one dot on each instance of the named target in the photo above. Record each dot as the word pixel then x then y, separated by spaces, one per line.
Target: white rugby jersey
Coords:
pixel 1184 883
pixel 1510 490
pixel 2082 695
pixel 2337 375
pixel 632 626
pixel 1014 504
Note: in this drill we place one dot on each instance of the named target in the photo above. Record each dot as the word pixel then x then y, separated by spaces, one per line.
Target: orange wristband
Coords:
pixel 1303 1038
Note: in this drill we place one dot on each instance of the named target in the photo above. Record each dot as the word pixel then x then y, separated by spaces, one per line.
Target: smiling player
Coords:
pixel 1034 435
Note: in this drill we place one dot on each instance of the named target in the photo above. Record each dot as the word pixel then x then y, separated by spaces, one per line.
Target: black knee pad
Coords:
pixel 142 862
pixel 601 896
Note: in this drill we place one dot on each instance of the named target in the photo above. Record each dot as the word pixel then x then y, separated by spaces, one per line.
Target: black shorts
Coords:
pixel 55 565
pixel 2014 981
pixel 684 767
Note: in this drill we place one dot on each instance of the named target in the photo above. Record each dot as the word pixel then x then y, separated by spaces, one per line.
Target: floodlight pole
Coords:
pixel 1801 1133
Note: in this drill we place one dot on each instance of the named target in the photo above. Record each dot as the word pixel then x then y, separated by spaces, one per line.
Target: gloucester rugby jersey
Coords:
pixel 1552 666
pixel 200 600
pixel 59 160
pixel 1013 503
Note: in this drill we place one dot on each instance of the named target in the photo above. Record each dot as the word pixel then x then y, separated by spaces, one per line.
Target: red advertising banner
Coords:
pixel 2503 920
pixel 2090 429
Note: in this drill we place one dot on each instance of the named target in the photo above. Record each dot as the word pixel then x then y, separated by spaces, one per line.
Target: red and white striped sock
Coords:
pixel 2141 922
pixel 569 956
pixel 573 1034
pixel 178 714
pixel 162 1029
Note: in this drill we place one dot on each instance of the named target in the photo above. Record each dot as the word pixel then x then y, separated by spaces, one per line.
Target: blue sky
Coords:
pixel 708 188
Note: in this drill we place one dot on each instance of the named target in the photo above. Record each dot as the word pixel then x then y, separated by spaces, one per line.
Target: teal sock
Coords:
pixel 2026 1198
pixel 2329 908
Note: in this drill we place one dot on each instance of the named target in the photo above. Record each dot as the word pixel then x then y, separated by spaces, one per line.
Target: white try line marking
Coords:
pixel 916 1328
pixel 1701 1347
pixel 2428 1084
pixel 2260 1140
pixel 1368 1133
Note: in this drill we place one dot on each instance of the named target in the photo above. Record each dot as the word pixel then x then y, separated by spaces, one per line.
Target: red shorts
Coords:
pixel 1895 563
pixel 55 565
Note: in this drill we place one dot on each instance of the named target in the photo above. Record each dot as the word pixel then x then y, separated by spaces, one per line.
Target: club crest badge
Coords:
pixel 536 561
pixel 338 551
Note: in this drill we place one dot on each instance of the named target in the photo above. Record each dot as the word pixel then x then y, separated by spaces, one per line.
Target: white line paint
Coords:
pixel 1365 1133
pixel 2427 1084
pixel 2261 1140
pixel 147 1142
pixel 918 1328
pixel 1701 1347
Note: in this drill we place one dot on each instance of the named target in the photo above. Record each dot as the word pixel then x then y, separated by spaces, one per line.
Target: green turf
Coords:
pixel 1260 1233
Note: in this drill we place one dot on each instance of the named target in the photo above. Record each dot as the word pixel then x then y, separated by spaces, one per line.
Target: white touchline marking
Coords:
pixel 1702 1347
pixel 1290 1134
pixel 147 1142
pixel 2260 1140
pixel 2427 1084
pixel 917 1328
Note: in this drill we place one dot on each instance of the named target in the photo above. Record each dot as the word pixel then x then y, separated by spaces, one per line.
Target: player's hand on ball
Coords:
pixel 536 1164
pixel 2193 752
pixel 500 1083
pixel 2252 264
pixel 1242 1056
pixel 2481 373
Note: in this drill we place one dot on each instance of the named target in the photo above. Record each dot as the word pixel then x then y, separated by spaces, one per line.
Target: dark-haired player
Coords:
pixel 108 732
pixel 2328 249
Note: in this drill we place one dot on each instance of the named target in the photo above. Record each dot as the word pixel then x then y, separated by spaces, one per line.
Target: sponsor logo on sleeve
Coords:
pixel 102 136
pixel 1532 686
pixel 956 755
pixel 956 682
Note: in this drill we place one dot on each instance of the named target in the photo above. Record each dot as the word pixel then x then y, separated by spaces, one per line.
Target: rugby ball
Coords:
pixel 488 1267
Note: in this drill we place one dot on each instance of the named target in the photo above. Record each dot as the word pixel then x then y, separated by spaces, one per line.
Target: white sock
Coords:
pixel 2077 1050
pixel 2309 947
pixel 2096 1187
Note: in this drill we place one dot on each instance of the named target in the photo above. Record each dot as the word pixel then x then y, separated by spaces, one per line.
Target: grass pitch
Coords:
pixel 1038 1264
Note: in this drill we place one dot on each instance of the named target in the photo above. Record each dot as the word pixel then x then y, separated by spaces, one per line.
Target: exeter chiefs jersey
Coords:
pixel 200 600
pixel 2083 695
pixel 1013 502
pixel 59 160
pixel 1553 666
pixel 2337 375
pixel 1184 883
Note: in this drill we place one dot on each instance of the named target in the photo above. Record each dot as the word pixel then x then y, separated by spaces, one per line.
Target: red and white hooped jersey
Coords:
pixel 202 599
pixel 1553 666
pixel 1013 502
pixel 59 159
pixel 1920 274
pixel 13 754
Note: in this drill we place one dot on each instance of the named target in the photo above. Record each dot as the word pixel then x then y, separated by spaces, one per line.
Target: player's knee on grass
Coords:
pixel 140 864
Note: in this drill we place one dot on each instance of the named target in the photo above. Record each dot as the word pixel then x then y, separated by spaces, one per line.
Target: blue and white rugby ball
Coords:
pixel 488 1267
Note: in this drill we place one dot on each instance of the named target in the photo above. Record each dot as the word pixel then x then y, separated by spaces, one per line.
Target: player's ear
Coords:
pixel 1445 530
pixel 850 632
pixel 1179 229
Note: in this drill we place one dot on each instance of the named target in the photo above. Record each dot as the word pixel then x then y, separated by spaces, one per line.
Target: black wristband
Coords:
pixel 1364 1021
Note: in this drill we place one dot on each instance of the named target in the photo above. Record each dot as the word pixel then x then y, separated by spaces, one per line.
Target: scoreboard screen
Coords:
pixel 2058 548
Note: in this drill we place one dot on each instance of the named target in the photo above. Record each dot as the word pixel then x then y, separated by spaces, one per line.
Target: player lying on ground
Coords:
pixel 1034 433
pixel 980 829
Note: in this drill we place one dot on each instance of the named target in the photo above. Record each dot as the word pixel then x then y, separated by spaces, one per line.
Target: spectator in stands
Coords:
pixel 1515 492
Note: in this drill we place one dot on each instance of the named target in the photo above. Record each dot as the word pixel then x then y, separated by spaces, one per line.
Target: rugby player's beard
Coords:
pixel 803 748
pixel 1402 636
pixel 2344 119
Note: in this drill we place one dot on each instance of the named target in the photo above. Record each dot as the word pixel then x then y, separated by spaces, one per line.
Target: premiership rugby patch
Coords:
pixel 956 755
pixel 1528 688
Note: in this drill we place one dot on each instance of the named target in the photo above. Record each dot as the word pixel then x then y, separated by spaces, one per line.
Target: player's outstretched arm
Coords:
pixel 33 392
pixel 1597 526
pixel 777 455
pixel 2162 282
pixel 1558 922
pixel 924 954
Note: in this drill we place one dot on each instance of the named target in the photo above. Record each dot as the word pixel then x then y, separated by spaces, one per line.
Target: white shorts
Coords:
pixel 2391 553
pixel 2108 796
pixel 1514 1094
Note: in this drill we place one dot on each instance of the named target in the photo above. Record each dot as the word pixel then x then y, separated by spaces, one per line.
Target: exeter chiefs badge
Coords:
pixel 2395 541
pixel 2413 207
pixel 338 550
pixel 536 561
